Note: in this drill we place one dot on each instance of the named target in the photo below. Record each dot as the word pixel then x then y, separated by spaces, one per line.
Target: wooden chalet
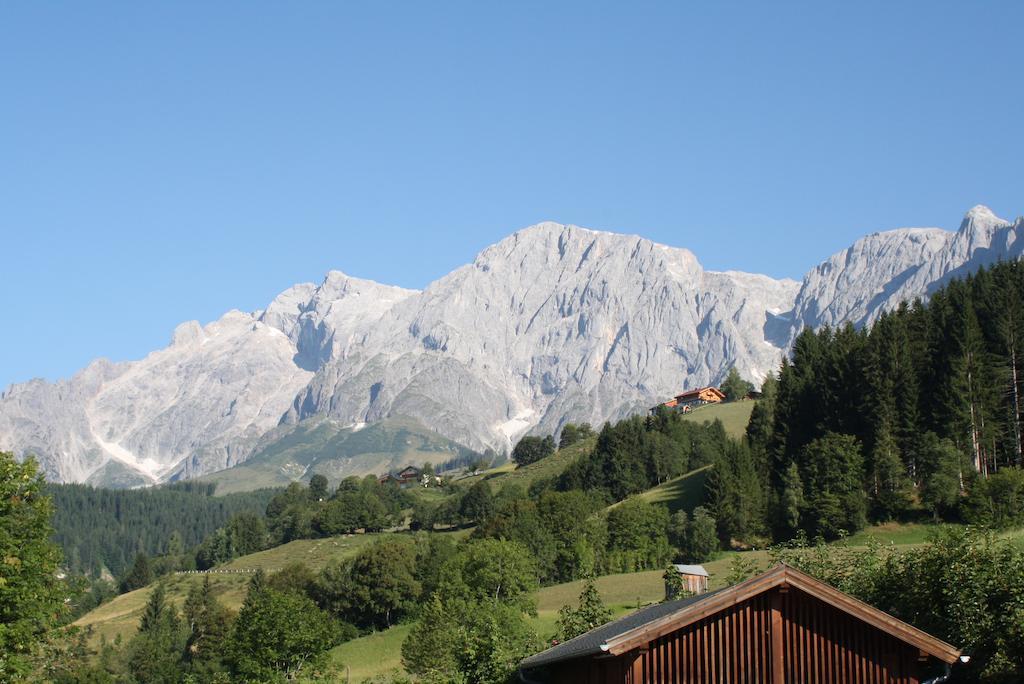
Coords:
pixel 700 396
pixel 408 476
pixel 670 404
pixel 689 400
pixel 778 627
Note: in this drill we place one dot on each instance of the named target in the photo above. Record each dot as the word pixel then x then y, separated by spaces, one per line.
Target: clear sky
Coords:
pixel 162 162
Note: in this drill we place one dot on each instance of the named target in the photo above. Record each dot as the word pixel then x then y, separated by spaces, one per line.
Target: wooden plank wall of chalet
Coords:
pixel 823 644
pixel 818 643
pixel 731 646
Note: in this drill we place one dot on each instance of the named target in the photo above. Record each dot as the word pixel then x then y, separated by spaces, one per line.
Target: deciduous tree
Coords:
pixel 31 596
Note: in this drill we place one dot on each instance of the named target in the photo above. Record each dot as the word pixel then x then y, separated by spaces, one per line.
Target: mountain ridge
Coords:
pixel 553 323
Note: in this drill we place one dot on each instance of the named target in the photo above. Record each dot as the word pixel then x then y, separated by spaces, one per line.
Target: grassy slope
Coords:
pixel 685 492
pixel 734 415
pixel 552 466
pixel 324 446
pixel 121 615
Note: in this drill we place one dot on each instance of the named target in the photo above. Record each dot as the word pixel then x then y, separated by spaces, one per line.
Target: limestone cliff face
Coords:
pixel 883 269
pixel 554 323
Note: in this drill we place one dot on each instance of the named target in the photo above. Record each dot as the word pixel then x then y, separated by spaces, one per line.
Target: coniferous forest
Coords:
pixel 107 528
pixel 914 412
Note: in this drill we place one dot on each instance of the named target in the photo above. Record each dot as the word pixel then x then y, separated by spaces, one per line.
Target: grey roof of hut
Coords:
pixel 625 633
pixel 593 641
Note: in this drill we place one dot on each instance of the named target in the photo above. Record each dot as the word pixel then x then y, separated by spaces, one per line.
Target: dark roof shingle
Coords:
pixel 591 642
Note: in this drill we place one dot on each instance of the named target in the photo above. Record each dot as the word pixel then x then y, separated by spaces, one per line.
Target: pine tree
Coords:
pixel 890 492
pixel 208 623
pixel 429 650
pixel 702 539
pixel 941 469
pixel 832 470
pixel 590 614
pixel 155 653
pixel 1011 333
pixel 791 503
pixel 140 574
pixel 735 387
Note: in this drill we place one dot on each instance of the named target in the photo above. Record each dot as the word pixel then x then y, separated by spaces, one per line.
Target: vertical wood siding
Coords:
pixel 819 645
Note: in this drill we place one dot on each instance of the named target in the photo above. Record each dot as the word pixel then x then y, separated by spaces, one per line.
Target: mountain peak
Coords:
pixel 979 210
pixel 981 217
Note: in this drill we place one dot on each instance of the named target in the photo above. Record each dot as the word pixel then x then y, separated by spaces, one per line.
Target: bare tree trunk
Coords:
pixel 1016 400
pixel 975 447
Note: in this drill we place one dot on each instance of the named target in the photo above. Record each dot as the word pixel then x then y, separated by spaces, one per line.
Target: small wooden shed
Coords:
pixel 778 627
pixel 695 579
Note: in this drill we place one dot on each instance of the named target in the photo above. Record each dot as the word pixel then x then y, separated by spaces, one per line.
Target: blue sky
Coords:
pixel 161 162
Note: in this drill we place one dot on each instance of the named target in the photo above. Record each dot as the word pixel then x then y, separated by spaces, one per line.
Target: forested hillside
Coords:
pixel 107 528
pixel 921 410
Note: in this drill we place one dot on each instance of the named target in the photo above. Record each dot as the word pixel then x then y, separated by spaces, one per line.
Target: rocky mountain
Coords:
pixel 883 269
pixel 554 323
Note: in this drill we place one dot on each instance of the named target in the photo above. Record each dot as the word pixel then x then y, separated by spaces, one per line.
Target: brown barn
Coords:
pixel 781 626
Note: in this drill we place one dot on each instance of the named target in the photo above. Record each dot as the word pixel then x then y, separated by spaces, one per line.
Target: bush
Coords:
pixel 532 449
pixel 997 501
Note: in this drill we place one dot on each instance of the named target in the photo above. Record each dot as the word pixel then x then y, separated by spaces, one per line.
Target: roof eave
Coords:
pixel 779 576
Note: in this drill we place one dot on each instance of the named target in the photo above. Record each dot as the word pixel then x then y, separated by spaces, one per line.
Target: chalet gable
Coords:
pixel 784 577
pixel 780 626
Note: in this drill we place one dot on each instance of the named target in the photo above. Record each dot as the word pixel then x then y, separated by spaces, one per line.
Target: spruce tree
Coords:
pixel 155 653
pixel 790 504
pixel 139 575
pixel 208 623
pixel 735 387
pixel 429 649
pixel 590 614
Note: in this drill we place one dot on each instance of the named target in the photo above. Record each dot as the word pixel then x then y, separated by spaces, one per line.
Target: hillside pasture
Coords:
pixel 552 466
pixel 685 492
pixel 734 416
pixel 120 616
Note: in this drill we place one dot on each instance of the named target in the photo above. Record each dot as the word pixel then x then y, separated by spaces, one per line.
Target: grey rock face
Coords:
pixel 881 270
pixel 553 324
pixel 214 390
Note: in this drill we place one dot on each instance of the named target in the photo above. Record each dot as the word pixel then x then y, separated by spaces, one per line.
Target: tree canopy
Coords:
pixel 31 595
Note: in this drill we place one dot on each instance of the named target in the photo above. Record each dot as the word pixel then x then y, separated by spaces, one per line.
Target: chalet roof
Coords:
pixel 690 394
pixel 691 570
pixel 646 625
pixel 592 643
